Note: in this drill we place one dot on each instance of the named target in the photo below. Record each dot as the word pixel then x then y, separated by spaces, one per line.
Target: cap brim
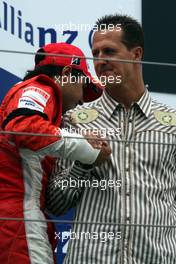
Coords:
pixel 94 88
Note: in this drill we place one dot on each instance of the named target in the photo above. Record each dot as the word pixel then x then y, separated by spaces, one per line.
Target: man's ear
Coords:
pixel 138 53
pixel 66 71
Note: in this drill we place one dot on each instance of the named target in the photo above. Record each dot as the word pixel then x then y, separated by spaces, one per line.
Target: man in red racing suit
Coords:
pixel 33 106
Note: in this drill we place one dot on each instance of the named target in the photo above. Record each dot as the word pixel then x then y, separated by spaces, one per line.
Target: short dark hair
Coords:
pixel 132 35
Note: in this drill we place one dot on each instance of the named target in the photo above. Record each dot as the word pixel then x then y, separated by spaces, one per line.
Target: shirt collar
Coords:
pixel 110 105
pixel 145 103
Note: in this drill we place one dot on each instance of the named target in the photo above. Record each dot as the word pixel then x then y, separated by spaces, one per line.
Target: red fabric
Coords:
pixel 12 233
pixel 13 245
pixel 34 124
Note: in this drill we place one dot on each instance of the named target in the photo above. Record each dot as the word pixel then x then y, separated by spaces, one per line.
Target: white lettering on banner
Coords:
pixel 11 20
pixel 37 94
pixel 26 102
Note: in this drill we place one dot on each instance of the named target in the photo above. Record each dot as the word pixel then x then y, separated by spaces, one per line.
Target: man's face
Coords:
pixel 109 45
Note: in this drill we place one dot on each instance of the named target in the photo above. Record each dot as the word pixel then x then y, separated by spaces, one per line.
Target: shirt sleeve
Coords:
pixel 65 187
pixel 64 190
pixel 32 111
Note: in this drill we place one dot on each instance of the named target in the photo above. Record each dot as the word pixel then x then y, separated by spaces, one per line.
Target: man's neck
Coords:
pixel 126 94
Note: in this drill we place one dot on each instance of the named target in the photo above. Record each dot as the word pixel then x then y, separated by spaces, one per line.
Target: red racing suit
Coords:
pixel 32 106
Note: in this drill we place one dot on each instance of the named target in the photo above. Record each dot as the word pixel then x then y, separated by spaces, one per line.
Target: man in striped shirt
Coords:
pixel 126 208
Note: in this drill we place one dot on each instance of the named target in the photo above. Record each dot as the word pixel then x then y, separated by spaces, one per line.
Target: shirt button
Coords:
pixel 128 219
pixel 125 244
pixel 127 169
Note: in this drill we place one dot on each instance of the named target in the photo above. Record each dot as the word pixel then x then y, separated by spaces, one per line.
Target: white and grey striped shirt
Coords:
pixel 146 195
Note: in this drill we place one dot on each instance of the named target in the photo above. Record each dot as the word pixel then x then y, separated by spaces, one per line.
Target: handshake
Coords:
pixel 87 148
pixel 97 142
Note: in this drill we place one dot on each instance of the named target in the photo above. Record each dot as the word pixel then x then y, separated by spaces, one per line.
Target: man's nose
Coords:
pixel 100 59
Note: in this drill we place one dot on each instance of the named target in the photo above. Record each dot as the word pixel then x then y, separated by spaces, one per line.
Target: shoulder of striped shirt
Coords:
pixel 96 104
pixel 91 105
pixel 158 106
pixel 162 107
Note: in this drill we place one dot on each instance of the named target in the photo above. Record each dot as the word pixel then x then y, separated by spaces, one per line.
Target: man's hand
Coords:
pixel 99 143
pixel 104 154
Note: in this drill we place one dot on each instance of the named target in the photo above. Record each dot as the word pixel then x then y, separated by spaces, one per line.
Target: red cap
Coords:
pixel 94 89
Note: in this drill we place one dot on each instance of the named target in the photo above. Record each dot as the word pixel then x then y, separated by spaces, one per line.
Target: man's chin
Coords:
pixel 113 85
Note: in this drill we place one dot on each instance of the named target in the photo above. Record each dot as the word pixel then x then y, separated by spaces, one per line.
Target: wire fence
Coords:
pixel 155 63
pixel 164 64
